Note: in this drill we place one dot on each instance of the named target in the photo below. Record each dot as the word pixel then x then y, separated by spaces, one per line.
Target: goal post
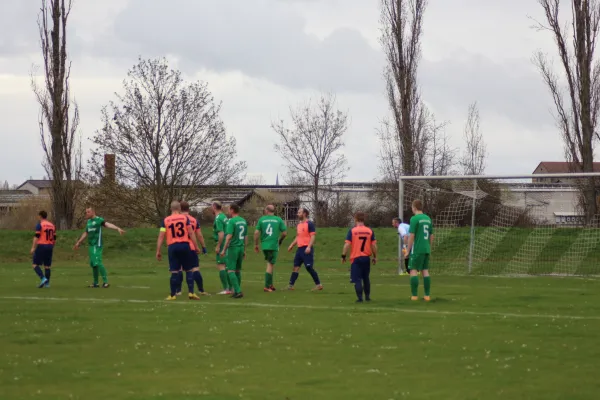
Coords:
pixel 536 224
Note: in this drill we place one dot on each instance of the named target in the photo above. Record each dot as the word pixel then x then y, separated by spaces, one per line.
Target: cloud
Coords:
pixel 263 39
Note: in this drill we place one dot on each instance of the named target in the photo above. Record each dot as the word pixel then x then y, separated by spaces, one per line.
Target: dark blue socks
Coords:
pixel 198 279
pixel 314 275
pixel 293 278
pixel 174 283
pixel 38 271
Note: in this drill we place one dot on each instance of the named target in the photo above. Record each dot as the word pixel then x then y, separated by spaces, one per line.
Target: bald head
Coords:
pixel 270 209
pixel 175 206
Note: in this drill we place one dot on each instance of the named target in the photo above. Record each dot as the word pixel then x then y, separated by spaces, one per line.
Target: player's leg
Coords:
pixel 223 276
pixel 196 275
pixel 355 275
pixel 298 261
pixel 426 278
pixel 269 271
pixel 366 278
pixel 231 265
pixel 406 265
pixel 309 260
pixel 174 268
pixel 37 262
pixel 415 262
pixel 180 285
pixel 271 267
pixel 48 265
pixel 94 266
pixel 238 266
pixel 101 268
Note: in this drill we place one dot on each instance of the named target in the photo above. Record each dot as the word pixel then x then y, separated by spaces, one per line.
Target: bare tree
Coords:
pixel 59 118
pixel 168 139
pixel 474 155
pixel 5 186
pixel 578 103
pixel 402 22
pixel 311 148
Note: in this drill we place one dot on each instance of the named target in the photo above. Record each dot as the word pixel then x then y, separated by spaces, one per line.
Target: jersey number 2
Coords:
pixel 242 232
pixel 180 232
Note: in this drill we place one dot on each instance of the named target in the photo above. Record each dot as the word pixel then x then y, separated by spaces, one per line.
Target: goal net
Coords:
pixel 510 225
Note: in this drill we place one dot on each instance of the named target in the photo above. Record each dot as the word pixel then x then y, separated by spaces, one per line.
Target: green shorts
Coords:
pixel 221 260
pixel 419 262
pixel 234 258
pixel 95 256
pixel 271 256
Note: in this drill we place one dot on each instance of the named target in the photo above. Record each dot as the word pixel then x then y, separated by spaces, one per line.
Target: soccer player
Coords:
pixel 93 231
pixel 362 241
pixel 419 247
pixel 305 239
pixel 403 234
pixel 234 249
pixel 271 231
pixel 178 231
pixel 219 237
pixel 185 210
pixel 42 248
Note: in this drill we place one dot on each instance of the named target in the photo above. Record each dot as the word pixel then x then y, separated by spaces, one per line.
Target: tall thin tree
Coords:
pixel 578 102
pixel 401 30
pixel 59 118
pixel 475 152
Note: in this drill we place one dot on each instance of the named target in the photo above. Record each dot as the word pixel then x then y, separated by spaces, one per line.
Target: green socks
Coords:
pixel 414 285
pixel 95 274
pixel 238 274
pixel 102 271
pixel 427 285
pixel 268 280
pixel 224 279
pixel 235 283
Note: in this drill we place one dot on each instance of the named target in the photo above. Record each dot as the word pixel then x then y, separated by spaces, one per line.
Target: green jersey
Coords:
pixel 219 226
pixel 270 228
pixel 422 227
pixel 93 228
pixel 238 229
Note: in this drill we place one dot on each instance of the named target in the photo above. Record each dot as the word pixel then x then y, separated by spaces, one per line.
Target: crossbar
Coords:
pixel 471 177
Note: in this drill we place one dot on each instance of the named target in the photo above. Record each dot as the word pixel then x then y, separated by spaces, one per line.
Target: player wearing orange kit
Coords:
pixel 42 248
pixel 305 254
pixel 361 240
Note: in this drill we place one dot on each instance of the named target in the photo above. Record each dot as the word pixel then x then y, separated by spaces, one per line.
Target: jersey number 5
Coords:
pixel 177 230
pixel 426 232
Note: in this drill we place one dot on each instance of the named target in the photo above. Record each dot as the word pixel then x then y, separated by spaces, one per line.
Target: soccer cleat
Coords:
pixel 237 295
pixel 414 298
pixel 317 288
pixel 105 285
pixel 204 294
pixel 290 287
pixel 268 290
pixel 368 299
pixel 171 298
pixel 223 292
pixel 359 301
pixel 427 298
pixel 47 285
pixel 272 288
pixel 193 296
pixel 43 282
pixel 94 286
pixel 178 293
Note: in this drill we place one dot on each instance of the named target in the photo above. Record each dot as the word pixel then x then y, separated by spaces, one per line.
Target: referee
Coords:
pixel 403 233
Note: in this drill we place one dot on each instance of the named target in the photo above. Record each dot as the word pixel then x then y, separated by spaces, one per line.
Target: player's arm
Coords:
pixel 245 245
pixel 411 241
pixel 200 239
pixel 293 244
pixel 226 246
pixel 36 237
pixel 114 227
pixel 374 251
pixel 81 239
pixel 256 237
pixel 283 230
pixel 313 236
pixel 347 244
pixel 192 236
pixel 159 243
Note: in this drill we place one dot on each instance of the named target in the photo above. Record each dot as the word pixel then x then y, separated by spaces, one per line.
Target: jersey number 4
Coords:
pixel 177 229
pixel 269 230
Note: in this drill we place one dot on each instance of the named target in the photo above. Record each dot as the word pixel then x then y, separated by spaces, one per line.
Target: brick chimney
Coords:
pixel 110 166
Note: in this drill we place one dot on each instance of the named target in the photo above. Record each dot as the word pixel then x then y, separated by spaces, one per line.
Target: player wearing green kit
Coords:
pixel 219 237
pixel 419 248
pixel 234 249
pixel 93 232
pixel 271 231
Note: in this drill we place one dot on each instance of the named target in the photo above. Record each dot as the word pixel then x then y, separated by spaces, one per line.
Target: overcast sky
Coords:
pixel 261 56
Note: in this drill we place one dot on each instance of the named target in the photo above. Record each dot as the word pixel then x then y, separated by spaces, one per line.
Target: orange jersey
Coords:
pixel 176 226
pixel 304 231
pixel 195 226
pixel 45 232
pixel 360 238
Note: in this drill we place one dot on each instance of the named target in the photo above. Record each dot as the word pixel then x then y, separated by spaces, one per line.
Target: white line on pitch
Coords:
pixel 242 303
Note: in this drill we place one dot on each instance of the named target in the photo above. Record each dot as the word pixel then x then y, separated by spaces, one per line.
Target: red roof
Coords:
pixel 561 167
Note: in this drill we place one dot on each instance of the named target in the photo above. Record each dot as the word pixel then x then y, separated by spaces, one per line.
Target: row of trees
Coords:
pixel 169 138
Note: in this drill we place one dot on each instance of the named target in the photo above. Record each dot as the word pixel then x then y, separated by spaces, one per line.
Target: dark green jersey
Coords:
pixel 270 228
pixel 93 229
pixel 219 226
pixel 422 227
pixel 238 229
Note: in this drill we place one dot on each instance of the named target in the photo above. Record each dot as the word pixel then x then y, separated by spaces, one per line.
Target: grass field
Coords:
pixel 480 338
